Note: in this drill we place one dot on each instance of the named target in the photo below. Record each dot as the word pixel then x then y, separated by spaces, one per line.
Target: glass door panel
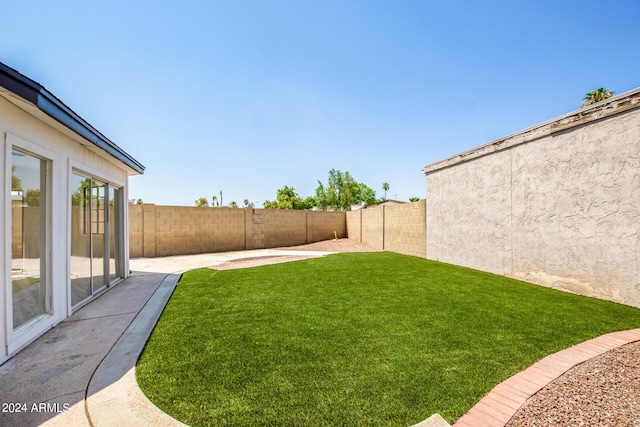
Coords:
pixel 80 238
pixel 97 235
pixel 114 232
pixel 28 237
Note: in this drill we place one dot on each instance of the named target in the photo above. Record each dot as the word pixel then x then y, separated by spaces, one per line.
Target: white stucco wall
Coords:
pixel 555 205
pixel 38 136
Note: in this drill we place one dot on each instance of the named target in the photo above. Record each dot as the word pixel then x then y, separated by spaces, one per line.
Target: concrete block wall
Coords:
pixel 354 225
pixel 281 227
pixel 136 230
pixel 177 230
pixel 398 228
pixel 372 227
pixel 405 228
pixel 322 224
pixel 187 230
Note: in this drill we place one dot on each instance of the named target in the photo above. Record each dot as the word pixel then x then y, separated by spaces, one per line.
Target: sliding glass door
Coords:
pixel 98 219
pixel 95 225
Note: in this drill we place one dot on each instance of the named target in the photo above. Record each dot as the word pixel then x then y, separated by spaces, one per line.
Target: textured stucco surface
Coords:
pixel 469 219
pixel 562 210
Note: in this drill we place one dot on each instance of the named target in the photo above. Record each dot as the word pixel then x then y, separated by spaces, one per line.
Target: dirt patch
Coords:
pixel 341 245
pixel 258 261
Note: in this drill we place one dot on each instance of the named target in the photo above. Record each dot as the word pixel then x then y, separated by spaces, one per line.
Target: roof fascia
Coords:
pixel 46 102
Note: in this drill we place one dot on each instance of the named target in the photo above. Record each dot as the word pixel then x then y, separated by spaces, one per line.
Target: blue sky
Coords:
pixel 249 96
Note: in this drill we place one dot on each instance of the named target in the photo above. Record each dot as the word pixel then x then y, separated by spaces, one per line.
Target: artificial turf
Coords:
pixel 354 339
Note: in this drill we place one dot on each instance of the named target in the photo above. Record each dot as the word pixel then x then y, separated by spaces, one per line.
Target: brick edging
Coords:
pixel 504 400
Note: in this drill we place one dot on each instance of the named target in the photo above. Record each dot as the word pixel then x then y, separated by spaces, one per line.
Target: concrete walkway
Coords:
pixel 81 373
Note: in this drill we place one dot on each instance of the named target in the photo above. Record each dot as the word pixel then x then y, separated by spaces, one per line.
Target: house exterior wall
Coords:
pixel 25 131
pixel 558 206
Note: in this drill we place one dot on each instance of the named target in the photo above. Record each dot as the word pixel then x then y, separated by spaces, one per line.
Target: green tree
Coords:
pixel 246 203
pixel 287 198
pixel 16 183
pixel 385 187
pixel 81 196
pixel 233 204
pixel 214 201
pixel 365 194
pixel 309 202
pixel 32 197
pixel 414 199
pixel 202 202
pixel 139 202
pixel 597 95
pixel 342 191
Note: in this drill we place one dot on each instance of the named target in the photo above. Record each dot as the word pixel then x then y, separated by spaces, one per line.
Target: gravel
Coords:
pixel 603 391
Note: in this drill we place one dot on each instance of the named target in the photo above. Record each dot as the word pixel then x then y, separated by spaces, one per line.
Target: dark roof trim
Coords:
pixel 37 95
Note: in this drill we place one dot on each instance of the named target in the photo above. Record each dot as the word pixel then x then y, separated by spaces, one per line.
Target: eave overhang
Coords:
pixel 35 94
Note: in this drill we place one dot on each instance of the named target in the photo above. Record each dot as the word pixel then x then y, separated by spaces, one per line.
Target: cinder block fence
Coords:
pixel 398 228
pixel 178 230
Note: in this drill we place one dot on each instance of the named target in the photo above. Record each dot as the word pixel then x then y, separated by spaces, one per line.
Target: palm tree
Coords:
pixel 597 95
pixel 385 187
pixel 214 201
pixel 246 203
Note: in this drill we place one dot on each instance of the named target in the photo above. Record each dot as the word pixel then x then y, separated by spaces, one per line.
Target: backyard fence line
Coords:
pixel 398 228
pixel 156 230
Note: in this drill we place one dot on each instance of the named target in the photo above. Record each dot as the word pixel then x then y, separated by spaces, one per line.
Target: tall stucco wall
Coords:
pixel 469 218
pixel 177 230
pixel 398 228
pixel 559 209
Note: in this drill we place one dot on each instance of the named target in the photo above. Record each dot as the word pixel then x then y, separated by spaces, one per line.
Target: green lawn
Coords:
pixel 354 339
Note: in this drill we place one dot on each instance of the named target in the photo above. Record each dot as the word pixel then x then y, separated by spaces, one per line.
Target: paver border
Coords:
pixel 504 400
